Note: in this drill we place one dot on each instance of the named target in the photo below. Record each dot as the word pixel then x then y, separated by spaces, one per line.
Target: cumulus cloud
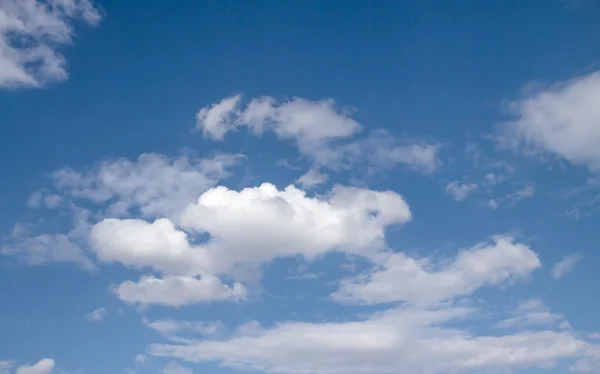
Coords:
pixel 403 340
pixel 244 228
pixel 322 132
pixel 96 315
pixel 565 266
pixel 312 178
pixel 31 34
pixel 562 120
pixel 44 366
pixel 178 291
pixel 421 281
pixel 459 191
pixel 158 245
pixel 253 226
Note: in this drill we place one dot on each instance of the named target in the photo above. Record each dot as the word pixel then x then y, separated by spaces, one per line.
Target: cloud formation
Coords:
pixel 422 281
pixel 561 120
pixel 323 133
pixel 31 34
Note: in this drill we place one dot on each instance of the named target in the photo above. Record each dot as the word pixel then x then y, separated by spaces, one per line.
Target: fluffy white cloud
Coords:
pixel 175 368
pixel 44 366
pixel 312 178
pixel 96 315
pixel 530 313
pixel 218 119
pixel 31 31
pixel 307 122
pixel 245 229
pixel 421 281
pixel 177 291
pixel 139 244
pixel 562 120
pixel 155 184
pixel 460 191
pixel 259 224
pixel 403 341
pixel 565 265
pixel 322 132
pixel 252 226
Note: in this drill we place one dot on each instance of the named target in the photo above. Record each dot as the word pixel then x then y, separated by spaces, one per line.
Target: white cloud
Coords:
pixel 460 191
pixel 44 366
pixel 31 33
pixel 594 335
pixel 175 368
pixel 258 224
pixel 590 363
pixel 47 248
pixel 307 122
pixel 139 244
pixel 96 315
pixel 178 291
pixel 530 313
pixel 253 226
pixel 402 341
pixel 562 120
pixel 322 133
pixel 245 229
pixel 524 193
pixel 312 178
pixel 140 359
pixel 379 151
pixel 421 281
pixel 218 119
pixel 492 204
pixel 565 266
pixel 155 184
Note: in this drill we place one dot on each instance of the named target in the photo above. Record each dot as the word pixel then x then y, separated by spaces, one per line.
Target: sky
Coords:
pixel 299 187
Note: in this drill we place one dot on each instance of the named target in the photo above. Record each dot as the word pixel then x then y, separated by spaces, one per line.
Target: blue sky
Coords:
pixel 299 187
